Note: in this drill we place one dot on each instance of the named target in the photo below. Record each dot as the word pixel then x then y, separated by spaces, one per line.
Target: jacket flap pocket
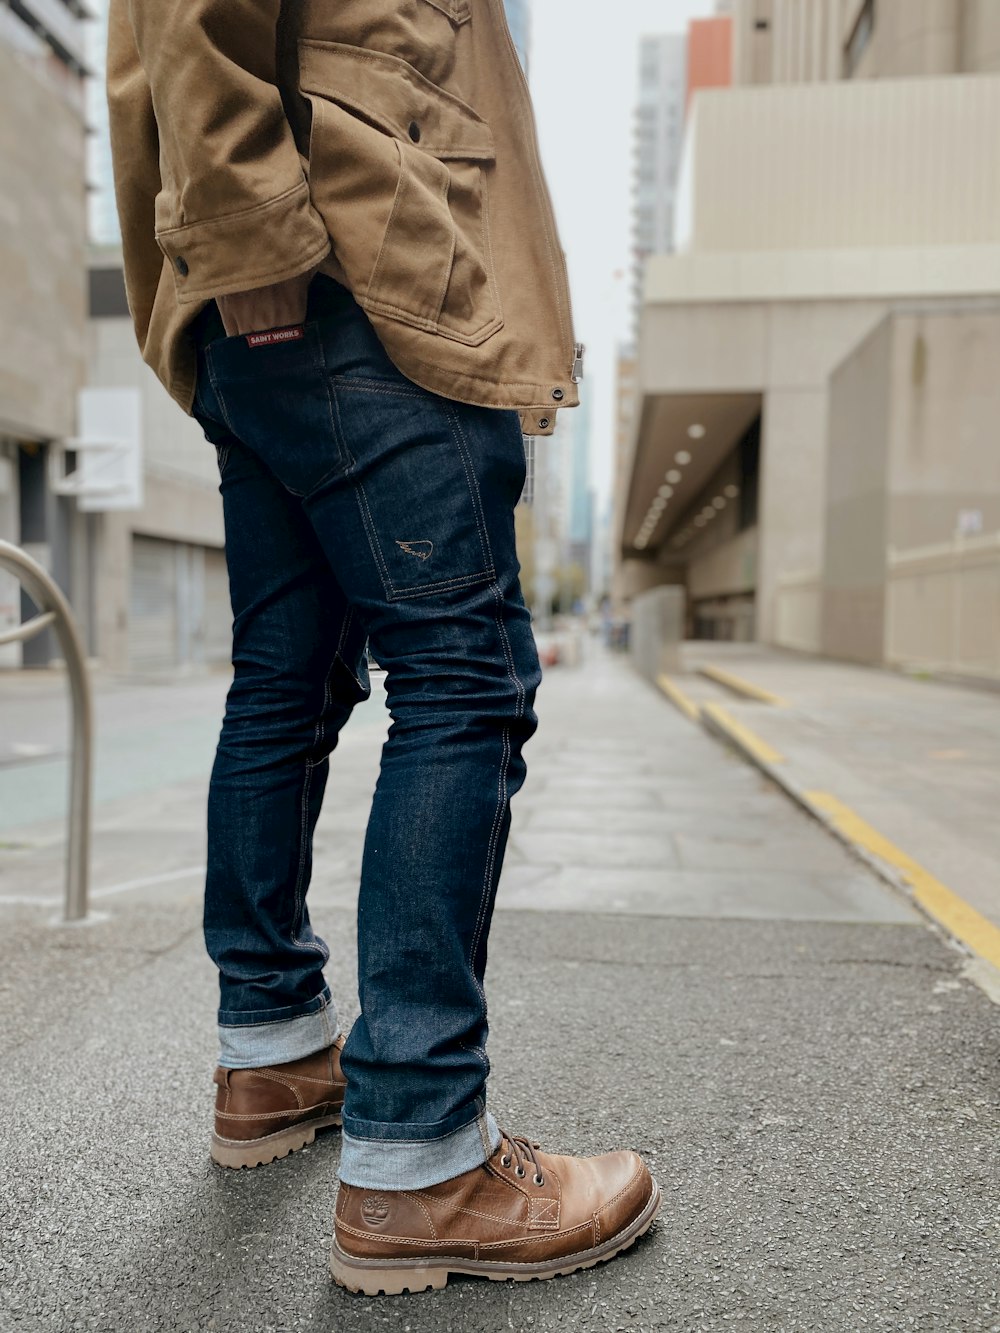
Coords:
pixel 395 97
pixel 457 10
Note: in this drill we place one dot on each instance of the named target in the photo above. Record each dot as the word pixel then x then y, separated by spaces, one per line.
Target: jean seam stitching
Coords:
pixel 358 1138
pixel 280 1015
pixel 502 782
pixel 358 384
pixel 368 523
pixel 502 798
pixel 318 737
pixel 213 379
pixel 345 459
pixel 443 585
pixel 463 449
pixel 336 425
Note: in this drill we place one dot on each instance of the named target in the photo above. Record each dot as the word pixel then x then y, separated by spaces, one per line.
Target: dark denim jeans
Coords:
pixel 359 506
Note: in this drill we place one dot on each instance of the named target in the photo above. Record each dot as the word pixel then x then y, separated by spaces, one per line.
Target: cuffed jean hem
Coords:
pixel 253 1045
pixel 413 1164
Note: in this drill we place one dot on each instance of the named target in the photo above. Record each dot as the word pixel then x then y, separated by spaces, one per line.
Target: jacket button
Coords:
pixel 558 395
pixel 543 423
pixel 181 265
pixel 414 131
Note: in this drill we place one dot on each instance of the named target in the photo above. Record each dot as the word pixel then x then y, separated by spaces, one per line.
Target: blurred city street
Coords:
pixel 682 961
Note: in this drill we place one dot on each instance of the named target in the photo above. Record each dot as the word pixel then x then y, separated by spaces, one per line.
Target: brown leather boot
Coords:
pixel 263 1114
pixel 523 1214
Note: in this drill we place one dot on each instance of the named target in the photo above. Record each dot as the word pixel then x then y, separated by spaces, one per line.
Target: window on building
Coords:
pixel 860 38
pixel 53 30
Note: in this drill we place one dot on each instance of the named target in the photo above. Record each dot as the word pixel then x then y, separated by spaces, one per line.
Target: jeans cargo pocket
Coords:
pixel 415 479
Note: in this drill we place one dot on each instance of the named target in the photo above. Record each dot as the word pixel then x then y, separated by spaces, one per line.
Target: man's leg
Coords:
pixel 462 671
pixel 299 667
pixel 298 671
pixel 412 499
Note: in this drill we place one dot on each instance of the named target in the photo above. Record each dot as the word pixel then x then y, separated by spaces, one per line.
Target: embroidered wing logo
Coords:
pixel 422 550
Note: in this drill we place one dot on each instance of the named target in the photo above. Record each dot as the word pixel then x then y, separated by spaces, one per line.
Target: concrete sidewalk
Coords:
pixel 916 761
pixel 682 961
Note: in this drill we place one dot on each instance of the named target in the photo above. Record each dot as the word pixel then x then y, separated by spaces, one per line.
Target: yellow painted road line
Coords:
pixel 740 686
pixel 743 736
pixel 957 916
pixel 678 698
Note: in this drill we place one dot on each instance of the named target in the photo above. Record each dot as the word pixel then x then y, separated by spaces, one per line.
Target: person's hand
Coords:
pixel 273 307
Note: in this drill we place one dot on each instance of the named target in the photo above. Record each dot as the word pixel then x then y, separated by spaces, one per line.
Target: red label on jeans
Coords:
pixel 269 336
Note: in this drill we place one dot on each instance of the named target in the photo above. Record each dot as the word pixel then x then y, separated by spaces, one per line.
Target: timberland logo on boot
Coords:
pixel 375 1210
pixel 422 550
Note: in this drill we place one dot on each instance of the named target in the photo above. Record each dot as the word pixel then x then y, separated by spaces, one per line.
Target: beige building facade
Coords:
pixel 42 289
pixel 821 41
pixel 822 220
pixel 127 521
pixel 161 601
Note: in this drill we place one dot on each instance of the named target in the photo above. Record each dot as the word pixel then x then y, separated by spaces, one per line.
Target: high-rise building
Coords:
pixel 102 213
pixel 519 22
pixel 814 454
pixel 659 137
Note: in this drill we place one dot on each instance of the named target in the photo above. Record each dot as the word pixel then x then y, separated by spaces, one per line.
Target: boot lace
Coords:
pixel 517 1152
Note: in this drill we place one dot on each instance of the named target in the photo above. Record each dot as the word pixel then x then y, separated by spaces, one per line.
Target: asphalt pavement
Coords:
pixel 682 962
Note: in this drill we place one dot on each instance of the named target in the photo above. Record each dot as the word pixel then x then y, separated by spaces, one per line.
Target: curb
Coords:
pixel 967 928
pixel 737 685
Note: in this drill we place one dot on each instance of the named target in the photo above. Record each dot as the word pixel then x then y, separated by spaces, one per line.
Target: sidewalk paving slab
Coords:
pixel 917 759
pixel 819 1094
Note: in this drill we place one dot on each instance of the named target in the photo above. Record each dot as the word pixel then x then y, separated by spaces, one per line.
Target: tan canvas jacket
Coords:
pixel 393 140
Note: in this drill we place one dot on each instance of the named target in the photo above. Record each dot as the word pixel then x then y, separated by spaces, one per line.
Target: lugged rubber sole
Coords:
pixel 392 1277
pixel 237 1153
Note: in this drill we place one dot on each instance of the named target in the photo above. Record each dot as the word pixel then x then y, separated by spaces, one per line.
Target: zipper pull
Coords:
pixel 576 375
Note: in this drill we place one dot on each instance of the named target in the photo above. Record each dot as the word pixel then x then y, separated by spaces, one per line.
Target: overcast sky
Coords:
pixel 584 67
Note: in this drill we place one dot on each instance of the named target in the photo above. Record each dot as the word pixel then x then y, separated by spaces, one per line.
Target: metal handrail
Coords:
pixel 54 610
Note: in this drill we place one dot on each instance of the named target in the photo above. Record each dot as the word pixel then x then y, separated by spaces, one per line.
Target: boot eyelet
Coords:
pixel 505 1161
pixel 539 1181
pixel 520 1173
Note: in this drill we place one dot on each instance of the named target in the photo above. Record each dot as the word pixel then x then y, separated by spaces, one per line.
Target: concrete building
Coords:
pixel 710 55
pixel 788 41
pixel 579 491
pixel 102 215
pixel 161 599
pixel 659 131
pixel 42 292
pixel 556 520
pixel 102 478
pixel 626 396
pixel 671 70
pixel 814 457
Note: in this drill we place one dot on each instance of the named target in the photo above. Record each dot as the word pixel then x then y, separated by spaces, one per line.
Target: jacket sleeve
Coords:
pixel 233 211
